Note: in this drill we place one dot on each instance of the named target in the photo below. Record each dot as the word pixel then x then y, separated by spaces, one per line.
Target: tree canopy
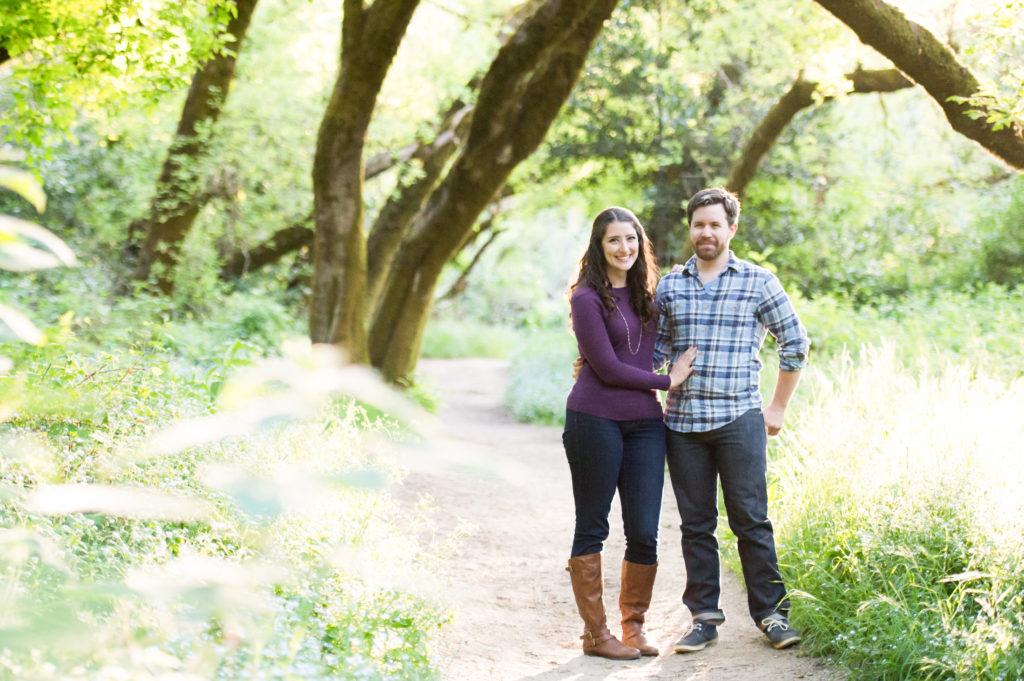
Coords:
pixel 359 153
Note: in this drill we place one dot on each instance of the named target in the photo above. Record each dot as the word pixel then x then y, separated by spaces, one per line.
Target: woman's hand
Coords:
pixel 682 367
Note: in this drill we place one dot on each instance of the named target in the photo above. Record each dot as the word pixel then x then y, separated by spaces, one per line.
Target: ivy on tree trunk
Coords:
pixel 178 197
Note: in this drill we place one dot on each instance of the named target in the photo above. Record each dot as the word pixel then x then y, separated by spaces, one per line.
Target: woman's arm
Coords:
pixel 596 348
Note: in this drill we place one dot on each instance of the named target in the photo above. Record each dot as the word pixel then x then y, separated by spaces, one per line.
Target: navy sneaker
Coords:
pixel 780 634
pixel 699 637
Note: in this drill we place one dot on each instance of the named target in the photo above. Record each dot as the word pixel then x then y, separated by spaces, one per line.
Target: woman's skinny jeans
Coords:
pixel 605 455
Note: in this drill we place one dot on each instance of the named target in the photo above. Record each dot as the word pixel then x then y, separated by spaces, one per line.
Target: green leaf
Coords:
pixel 27 246
pixel 23 183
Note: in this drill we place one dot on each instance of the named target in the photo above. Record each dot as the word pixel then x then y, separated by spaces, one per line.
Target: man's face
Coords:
pixel 710 231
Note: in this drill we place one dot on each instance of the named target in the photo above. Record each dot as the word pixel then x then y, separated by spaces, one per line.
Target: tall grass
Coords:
pixel 899 498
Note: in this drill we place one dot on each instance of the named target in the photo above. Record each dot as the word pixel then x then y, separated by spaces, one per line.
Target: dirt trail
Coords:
pixel 515 618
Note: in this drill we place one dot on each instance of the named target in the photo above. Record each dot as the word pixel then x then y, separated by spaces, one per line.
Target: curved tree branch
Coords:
pixel 922 57
pixel 522 92
pixel 800 95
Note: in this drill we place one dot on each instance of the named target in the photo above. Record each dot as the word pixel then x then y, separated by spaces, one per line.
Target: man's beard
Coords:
pixel 719 248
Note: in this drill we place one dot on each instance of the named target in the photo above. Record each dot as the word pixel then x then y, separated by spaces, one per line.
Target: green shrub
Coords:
pixel 980 327
pixel 540 376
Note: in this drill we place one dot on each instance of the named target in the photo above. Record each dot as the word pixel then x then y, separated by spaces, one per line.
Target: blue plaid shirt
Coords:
pixel 727 320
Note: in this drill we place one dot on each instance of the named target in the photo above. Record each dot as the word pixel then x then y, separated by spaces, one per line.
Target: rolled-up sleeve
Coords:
pixel 777 314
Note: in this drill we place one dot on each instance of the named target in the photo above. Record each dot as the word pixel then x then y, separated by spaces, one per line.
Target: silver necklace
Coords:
pixel 629 343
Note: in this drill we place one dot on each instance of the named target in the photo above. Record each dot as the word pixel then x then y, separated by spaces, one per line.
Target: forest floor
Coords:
pixel 514 617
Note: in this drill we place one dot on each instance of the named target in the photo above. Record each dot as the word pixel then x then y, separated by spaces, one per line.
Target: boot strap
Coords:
pixel 591 641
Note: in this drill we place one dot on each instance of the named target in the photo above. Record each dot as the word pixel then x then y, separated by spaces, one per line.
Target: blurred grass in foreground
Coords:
pixel 161 521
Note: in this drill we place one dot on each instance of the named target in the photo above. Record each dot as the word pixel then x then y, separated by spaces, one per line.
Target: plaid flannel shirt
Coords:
pixel 727 320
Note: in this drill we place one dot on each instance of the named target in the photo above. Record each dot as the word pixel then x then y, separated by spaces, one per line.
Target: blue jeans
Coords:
pixel 736 453
pixel 604 455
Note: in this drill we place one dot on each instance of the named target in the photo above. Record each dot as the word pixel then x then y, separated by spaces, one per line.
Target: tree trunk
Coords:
pixel 672 185
pixel 799 96
pixel 396 217
pixel 177 200
pixel 370 38
pixel 920 55
pixel 522 92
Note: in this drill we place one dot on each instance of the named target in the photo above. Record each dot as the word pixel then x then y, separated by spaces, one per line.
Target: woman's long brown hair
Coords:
pixel 642 277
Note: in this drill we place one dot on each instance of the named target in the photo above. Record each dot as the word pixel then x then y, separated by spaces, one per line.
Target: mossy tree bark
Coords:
pixel 370 36
pixel 178 196
pixel 522 92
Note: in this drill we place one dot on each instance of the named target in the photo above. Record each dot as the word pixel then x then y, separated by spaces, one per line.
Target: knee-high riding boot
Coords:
pixel 588 587
pixel 634 599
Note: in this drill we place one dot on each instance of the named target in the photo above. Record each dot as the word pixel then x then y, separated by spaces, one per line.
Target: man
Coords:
pixel 716 428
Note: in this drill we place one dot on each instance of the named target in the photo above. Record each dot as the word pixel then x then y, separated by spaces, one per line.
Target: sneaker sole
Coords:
pixel 786 643
pixel 694 649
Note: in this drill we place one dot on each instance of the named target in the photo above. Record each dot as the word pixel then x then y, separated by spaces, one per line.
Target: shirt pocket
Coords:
pixel 684 319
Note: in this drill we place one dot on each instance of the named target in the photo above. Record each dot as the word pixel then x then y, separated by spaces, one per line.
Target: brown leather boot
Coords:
pixel 588 587
pixel 634 599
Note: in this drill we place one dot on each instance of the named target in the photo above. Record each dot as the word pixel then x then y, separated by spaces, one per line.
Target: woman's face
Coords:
pixel 621 244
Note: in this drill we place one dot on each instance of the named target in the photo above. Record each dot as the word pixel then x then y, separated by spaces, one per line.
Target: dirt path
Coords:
pixel 515 618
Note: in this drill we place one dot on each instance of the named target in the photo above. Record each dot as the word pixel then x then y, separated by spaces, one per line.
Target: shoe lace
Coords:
pixel 697 627
pixel 771 623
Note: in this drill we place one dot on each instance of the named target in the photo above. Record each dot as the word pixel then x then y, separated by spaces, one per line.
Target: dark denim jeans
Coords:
pixel 604 455
pixel 736 453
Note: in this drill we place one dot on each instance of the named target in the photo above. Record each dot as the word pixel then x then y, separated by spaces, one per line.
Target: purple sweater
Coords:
pixel 614 383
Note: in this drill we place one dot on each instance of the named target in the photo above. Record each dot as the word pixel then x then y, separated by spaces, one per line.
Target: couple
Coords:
pixel 708 319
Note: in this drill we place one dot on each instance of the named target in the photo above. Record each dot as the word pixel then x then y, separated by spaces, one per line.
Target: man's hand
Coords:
pixel 774 415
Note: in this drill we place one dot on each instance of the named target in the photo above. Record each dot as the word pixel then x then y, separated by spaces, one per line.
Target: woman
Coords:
pixel 614 436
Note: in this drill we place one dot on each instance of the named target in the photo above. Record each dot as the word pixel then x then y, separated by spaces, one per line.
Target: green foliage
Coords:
pixel 25 246
pixel 1002 243
pixel 978 329
pixel 467 338
pixel 900 519
pixel 99 55
pixel 540 376
pixel 220 520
